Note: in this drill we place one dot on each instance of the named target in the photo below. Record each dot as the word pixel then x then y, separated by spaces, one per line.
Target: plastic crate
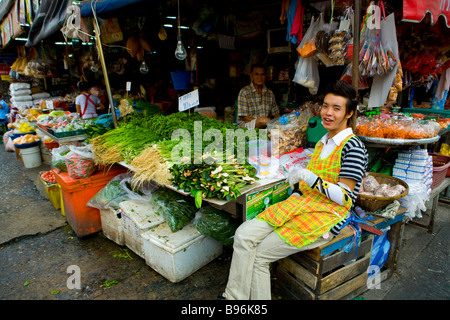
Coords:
pixel 66 133
pixel 76 193
pixel 441 166
pixel 53 193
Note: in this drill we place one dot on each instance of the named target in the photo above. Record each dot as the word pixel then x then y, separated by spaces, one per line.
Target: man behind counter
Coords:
pixel 255 101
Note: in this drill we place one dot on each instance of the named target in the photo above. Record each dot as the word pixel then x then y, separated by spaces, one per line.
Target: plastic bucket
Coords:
pixel 181 80
pixel 31 157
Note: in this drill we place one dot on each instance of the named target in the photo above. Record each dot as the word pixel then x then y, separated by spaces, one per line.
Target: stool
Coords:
pixel 324 273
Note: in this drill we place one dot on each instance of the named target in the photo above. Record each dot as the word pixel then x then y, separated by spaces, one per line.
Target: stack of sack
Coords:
pixel 38 95
pixel 415 167
pixel 20 95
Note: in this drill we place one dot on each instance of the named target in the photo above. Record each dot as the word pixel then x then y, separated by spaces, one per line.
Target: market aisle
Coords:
pixel 25 208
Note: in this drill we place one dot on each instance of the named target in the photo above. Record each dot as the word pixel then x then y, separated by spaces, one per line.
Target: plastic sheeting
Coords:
pixel 49 19
pixel 113 8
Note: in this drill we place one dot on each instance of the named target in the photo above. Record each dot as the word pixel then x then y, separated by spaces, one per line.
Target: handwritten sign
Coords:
pixel 188 101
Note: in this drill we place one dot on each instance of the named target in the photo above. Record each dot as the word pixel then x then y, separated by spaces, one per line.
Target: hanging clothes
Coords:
pixel 284 8
pixel 297 25
pixel 294 16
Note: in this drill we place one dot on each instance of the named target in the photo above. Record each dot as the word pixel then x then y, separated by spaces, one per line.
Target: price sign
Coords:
pixel 49 104
pixel 188 101
pixel 128 86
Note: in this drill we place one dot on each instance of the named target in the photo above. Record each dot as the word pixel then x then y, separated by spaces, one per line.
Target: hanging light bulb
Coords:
pixel 180 51
pixel 143 68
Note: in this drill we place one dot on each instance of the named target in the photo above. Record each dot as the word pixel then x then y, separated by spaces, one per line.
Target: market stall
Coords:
pixel 157 150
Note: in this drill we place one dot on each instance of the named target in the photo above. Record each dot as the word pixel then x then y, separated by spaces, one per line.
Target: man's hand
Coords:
pixel 261 122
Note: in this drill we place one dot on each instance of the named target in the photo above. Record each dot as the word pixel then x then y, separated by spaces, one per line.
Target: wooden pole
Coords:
pixel 356 40
pixel 105 73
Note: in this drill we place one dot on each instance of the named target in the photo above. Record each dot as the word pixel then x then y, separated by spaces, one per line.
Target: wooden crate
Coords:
pixel 324 273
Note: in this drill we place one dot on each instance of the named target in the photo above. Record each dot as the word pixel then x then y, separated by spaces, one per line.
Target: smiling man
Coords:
pixel 256 103
pixel 314 213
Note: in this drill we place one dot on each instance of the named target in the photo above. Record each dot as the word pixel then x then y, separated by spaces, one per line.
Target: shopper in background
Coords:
pixel 87 103
pixel 256 103
pixel 314 213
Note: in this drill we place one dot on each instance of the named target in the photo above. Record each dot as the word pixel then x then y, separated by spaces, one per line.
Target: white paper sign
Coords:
pixel 128 86
pixel 49 104
pixel 188 101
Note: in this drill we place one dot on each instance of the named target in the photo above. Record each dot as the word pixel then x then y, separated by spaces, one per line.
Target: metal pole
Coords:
pixel 356 40
pixel 105 73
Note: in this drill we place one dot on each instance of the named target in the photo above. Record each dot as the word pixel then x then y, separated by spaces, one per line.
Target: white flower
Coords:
pixel 247 178
pixel 218 169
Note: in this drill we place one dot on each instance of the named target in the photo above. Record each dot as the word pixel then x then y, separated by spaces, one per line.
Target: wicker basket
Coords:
pixel 372 203
pixel 441 166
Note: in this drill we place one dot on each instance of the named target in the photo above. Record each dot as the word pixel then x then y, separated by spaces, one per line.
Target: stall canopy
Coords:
pixel 415 11
pixel 113 8
pixel 49 19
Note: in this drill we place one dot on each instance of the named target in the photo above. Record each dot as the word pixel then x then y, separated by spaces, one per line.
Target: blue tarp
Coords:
pixel 113 8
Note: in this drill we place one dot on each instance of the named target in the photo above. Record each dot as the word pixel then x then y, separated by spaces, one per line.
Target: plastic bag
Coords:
pixel 307 74
pixel 380 250
pixel 216 224
pixel 59 158
pixel 307 47
pixel 175 210
pixel 80 162
pixel 290 135
pixel 117 190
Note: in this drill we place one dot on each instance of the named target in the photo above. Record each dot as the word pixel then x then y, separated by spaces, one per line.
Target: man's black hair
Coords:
pixel 343 89
pixel 258 65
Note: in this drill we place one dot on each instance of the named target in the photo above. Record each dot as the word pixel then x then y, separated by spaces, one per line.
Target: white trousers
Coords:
pixel 256 245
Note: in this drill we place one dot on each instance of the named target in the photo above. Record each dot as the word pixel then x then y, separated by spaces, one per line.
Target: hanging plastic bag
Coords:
pixel 80 162
pixel 307 47
pixel 307 74
pixel 216 224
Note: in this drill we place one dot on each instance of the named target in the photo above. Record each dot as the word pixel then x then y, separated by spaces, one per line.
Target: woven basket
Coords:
pixel 372 203
pixel 441 166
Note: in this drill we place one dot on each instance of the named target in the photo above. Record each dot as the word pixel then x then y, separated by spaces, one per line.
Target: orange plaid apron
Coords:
pixel 301 220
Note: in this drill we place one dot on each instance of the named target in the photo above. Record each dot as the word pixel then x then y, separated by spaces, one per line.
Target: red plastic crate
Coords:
pixel 76 194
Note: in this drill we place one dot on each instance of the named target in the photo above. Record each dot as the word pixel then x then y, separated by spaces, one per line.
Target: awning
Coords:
pixel 415 11
pixel 113 8
pixel 49 19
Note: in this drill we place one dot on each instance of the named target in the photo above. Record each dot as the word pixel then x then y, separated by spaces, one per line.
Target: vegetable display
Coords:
pixel 221 180
pixel 48 176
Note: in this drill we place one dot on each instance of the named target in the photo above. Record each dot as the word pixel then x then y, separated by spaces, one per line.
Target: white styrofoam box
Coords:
pixel 138 217
pixel 112 225
pixel 177 255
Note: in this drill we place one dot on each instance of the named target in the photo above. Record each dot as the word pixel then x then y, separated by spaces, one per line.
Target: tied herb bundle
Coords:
pixel 221 180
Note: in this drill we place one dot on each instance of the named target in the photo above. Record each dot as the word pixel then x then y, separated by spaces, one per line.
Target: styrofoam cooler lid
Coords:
pixel 143 213
pixel 172 241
